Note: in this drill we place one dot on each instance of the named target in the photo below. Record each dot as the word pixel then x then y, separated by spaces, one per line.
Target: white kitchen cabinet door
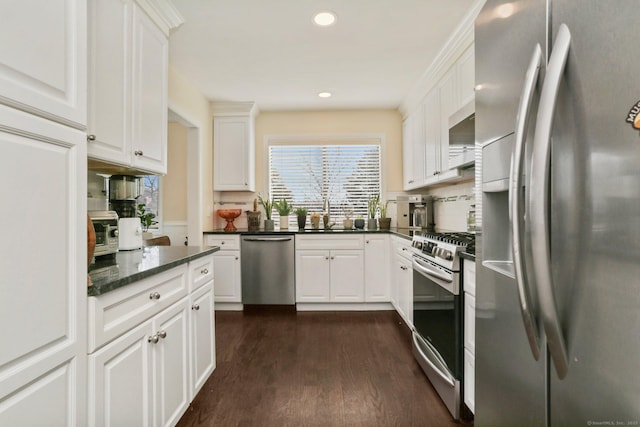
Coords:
pixel 376 268
pixel 431 109
pixel 121 383
pixel 466 76
pixel 234 153
pixel 150 89
pixel 171 363
pixel 110 55
pixel 347 276
pixel 407 154
pixel 404 284
pixel 449 103
pixel 469 380
pixel 470 323
pixel 313 276
pixel 43 59
pixel 203 346
pixel 43 287
pixel 227 279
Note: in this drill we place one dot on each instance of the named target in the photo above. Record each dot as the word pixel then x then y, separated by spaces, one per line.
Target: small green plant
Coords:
pixel 383 209
pixel 146 218
pixel 348 213
pixel 267 205
pixel 283 207
pixel 300 211
pixel 373 203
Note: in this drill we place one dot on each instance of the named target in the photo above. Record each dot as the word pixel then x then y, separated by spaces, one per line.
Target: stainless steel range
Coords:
pixel 437 311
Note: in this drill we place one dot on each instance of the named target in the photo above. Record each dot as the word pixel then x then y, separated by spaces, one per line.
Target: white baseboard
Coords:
pixel 357 306
pixel 228 306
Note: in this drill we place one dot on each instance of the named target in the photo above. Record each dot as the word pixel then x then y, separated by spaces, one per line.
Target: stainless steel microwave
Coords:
pixel 105 223
pixel 462 136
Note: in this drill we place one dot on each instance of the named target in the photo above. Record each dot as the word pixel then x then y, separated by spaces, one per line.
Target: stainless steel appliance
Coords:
pixel 462 139
pixel 558 257
pixel 438 312
pixel 105 223
pixel 124 191
pixel 268 275
pixel 407 217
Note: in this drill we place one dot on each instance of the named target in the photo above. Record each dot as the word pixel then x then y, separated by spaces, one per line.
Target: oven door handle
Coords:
pixel 433 359
pixel 427 270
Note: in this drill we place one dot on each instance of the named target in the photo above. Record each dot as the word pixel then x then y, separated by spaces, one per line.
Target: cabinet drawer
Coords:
pixel 351 241
pixel 200 272
pixel 112 314
pixel 224 242
pixel 469 275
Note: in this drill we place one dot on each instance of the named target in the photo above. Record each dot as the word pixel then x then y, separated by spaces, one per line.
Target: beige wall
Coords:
pixel 386 122
pixel 174 184
pixel 186 101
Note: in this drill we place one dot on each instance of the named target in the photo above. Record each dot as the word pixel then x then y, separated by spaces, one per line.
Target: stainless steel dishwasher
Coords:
pixel 268 275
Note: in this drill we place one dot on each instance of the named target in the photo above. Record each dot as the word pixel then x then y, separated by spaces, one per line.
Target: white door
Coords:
pixel 121 385
pixel 312 276
pixel 43 58
pixel 43 264
pixel 109 88
pixel 150 86
pixel 226 271
pixel 376 268
pixel 347 276
pixel 171 363
pixel 231 153
pixel 203 346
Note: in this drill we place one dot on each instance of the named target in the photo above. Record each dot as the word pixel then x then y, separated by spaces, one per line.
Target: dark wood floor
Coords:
pixel 282 368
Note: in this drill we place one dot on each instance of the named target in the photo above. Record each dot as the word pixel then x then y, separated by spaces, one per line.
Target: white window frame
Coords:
pixel 326 139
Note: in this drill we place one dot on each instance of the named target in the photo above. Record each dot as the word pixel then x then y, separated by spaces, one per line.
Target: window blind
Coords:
pixel 305 175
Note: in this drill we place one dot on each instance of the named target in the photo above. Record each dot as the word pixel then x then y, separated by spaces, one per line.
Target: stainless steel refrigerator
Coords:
pixel 558 252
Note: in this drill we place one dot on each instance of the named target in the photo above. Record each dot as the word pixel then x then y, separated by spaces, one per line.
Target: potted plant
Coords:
pixel 315 221
pixel 284 209
pixel 373 203
pixel 146 220
pixel 359 222
pixel 347 223
pixel 267 205
pixel 301 213
pixel 384 221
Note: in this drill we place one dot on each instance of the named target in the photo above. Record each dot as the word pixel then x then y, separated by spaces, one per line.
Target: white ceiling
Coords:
pixel 270 52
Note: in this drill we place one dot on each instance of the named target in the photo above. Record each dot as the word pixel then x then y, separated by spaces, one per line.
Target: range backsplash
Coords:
pixel 451 205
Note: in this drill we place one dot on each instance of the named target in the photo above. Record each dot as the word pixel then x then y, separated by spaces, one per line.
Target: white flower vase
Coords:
pixel 284 222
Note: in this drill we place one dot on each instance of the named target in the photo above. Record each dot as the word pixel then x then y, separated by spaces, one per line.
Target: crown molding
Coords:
pixel 221 109
pixel 163 13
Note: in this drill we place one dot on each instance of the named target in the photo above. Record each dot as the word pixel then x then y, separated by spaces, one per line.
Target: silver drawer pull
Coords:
pixel 204 271
pixel 154 295
pixel 162 334
pixel 91 138
pixel 195 307
pixel 138 153
pixel 153 339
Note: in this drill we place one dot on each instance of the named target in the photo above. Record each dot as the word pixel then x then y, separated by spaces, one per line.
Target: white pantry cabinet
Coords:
pixel 469 286
pixel 43 289
pixel 128 86
pixel 43 59
pixel 227 271
pixel 376 268
pixel 234 146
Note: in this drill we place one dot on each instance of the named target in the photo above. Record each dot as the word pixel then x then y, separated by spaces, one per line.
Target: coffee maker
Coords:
pixel 123 194
pixel 415 212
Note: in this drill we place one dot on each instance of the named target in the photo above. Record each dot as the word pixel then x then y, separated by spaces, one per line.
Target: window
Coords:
pixel 348 175
pixel 150 196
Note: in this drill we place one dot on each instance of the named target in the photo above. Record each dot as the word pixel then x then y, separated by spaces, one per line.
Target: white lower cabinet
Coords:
pixel 148 374
pixel 469 286
pixel 347 276
pixel 376 268
pixel 227 271
pixel 402 279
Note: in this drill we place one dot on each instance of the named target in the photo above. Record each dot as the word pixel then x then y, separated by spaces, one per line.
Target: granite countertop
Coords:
pixel 130 266
pixel 402 232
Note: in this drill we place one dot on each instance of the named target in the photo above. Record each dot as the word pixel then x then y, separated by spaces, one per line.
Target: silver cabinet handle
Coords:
pixel 267 239
pixel 539 200
pixel 403 267
pixel 367 242
pixel 326 257
pixel 138 153
pixel 333 257
pixel 204 271
pixel 153 339
pixel 516 196
pixel 237 258
pixel 195 307
pixel 222 243
pixel 162 334
pixel 154 295
pixel 91 138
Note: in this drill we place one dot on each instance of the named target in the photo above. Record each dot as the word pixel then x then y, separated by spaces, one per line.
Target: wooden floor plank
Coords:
pixel 282 368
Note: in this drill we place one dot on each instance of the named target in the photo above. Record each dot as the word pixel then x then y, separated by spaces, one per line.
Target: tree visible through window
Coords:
pixel 306 175
pixel 150 195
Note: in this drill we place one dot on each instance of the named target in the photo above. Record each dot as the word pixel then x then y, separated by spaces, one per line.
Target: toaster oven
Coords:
pixel 105 223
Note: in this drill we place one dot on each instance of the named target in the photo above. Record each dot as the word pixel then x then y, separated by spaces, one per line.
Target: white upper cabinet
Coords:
pixel 433 151
pixel 234 146
pixel 128 86
pixel 43 59
pixel 413 146
pixel 466 72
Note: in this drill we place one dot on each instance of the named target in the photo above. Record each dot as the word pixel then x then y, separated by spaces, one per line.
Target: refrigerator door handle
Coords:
pixel 516 202
pixel 539 201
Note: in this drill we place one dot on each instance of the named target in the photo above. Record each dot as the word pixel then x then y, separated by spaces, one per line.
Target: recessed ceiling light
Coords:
pixel 325 19
pixel 324 94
